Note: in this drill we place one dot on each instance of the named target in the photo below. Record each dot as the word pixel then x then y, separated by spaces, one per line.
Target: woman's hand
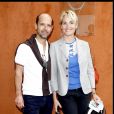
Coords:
pixel 56 102
pixel 96 98
pixel 56 105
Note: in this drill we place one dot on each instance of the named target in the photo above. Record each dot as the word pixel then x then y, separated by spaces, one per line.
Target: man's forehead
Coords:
pixel 45 16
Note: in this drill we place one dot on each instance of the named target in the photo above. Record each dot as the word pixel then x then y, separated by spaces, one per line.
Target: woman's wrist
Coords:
pixel 93 91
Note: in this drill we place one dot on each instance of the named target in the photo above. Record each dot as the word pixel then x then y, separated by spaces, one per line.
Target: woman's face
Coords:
pixel 68 26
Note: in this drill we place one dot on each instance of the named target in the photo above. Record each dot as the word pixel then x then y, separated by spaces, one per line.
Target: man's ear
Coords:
pixel 36 26
pixel 52 27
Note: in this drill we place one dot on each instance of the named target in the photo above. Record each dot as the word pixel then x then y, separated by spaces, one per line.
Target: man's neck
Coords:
pixel 41 40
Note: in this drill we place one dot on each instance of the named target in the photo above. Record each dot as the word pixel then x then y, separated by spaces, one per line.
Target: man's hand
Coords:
pixel 19 101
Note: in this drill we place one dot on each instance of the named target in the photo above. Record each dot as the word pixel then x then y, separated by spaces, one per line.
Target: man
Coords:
pixel 32 80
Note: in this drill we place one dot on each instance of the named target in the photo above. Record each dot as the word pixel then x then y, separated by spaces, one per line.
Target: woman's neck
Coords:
pixel 68 39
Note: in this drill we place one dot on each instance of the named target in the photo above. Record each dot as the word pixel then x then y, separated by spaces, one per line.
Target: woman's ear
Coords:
pixel 76 25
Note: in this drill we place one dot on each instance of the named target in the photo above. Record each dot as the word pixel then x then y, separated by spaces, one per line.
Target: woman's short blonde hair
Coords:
pixel 71 14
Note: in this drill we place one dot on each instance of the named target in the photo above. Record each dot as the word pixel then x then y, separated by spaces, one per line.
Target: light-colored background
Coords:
pixel 17 23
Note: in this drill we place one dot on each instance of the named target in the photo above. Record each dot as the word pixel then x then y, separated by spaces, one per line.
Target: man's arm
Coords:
pixel 18 84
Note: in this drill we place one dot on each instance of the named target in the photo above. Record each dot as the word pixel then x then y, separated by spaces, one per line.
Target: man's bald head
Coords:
pixel 44 15
pixel 44 25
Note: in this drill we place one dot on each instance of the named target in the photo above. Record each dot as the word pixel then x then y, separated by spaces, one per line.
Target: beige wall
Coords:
pixel 17 23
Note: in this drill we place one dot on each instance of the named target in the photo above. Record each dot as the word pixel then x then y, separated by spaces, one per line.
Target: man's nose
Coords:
pixel 45 27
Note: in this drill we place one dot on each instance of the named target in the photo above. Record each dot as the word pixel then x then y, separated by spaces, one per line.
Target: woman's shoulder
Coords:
pixel 57 42
pixel 82 41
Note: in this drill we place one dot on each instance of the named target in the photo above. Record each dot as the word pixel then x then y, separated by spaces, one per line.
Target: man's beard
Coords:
pixel 45 37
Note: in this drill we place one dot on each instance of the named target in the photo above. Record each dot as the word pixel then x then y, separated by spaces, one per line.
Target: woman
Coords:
pixel 73 80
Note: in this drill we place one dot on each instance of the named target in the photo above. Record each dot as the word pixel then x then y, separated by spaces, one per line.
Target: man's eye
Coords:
pixel 49 25
pixel 41 24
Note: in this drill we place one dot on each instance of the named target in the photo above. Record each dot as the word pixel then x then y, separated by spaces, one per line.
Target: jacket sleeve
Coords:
pixel 90 69
pixel 54 83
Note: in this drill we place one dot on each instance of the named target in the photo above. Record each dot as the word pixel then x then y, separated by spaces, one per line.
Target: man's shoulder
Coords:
pixel 28 41
pixel 23 44
pixel 22 47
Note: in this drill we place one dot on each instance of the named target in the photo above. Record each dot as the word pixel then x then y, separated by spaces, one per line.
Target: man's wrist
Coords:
pixel 18 93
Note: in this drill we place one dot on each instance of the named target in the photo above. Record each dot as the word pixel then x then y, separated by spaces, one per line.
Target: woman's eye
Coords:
pixel 64 23
pixel 71 22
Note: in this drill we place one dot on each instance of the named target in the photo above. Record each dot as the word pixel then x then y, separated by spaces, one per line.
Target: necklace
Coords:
pixel 71 47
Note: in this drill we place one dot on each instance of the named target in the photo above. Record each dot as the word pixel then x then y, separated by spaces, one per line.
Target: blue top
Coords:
pixel 74 72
